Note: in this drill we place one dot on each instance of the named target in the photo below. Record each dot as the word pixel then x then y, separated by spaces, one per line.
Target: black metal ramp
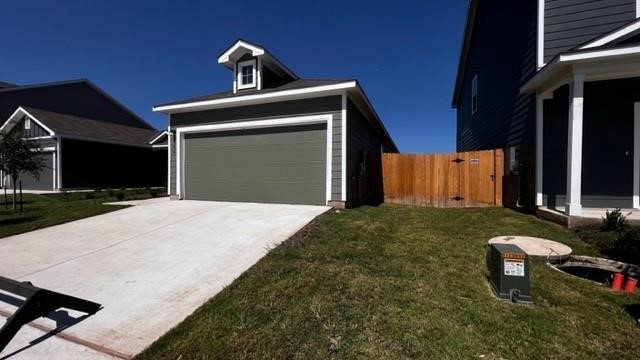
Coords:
pixel 38 303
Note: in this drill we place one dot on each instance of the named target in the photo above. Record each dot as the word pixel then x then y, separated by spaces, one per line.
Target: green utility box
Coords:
pixel 509 273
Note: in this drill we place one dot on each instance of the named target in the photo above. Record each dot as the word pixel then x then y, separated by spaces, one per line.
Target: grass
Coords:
pixel 46 210
pixel 403 283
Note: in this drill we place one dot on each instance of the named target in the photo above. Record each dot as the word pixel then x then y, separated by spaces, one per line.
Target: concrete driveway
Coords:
pixel 150 266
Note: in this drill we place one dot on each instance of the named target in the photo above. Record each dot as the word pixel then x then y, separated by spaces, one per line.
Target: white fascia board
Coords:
pixel 164 133
pixel 613 36
pixel 257 98
pixel 598 54
pixel 254 124
pixel 20 111
pixel 255 51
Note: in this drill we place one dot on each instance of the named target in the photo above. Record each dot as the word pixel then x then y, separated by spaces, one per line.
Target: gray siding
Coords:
pixel 607 154
pixel 502 53
pixel 273 165
pixel 325 105
pixel 364 145
pixel 569 23
pixel 35 130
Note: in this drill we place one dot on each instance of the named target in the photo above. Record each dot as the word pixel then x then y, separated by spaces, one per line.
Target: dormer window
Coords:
pixel 246 74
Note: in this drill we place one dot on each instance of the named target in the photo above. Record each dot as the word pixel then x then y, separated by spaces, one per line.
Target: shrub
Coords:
pixel 595 235
pixel 89 195
pixel 153 192
pixel 614 220
pixel 111 192
pixel 627 247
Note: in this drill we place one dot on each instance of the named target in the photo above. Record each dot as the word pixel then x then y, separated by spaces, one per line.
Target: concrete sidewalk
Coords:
pixel 150 266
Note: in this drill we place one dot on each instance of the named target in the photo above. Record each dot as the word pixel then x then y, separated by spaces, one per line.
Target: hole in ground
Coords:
pixel 597 269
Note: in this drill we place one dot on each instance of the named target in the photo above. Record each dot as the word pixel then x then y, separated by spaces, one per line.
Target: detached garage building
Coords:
pixel 276 138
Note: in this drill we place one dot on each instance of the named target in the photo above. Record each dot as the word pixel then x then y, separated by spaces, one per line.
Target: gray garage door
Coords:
pixel 45 182
pixel 274 165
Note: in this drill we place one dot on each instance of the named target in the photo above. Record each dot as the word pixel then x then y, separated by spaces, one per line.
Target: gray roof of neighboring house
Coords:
pixel 78 97
pixel 4 85
pixel 71 126
pixel 293 85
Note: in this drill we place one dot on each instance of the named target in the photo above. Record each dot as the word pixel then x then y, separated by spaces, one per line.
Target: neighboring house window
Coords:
pixel 27 123
pixel 474 94
pixel 247 74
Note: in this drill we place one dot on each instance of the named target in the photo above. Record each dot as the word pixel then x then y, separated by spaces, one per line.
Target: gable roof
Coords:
pixel 613 37
pixel 81 128
pixel 64 97
pixel 240 47
pixel 464 51
pixel 294 85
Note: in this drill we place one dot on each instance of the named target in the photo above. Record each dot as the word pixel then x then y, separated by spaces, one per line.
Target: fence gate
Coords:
pixel 444 180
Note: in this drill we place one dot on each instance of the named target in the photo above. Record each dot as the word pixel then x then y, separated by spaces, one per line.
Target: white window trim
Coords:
pixel 242 64
pixel 474 94
pixel 257 124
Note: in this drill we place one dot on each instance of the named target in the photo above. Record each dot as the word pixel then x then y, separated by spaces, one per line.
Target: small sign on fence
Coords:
pixel 474 161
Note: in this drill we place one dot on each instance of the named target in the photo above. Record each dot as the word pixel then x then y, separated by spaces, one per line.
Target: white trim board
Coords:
pixel 159 137
pixel 255 51
pixel 343 169
pixel 16 116
pixel 613 36
pixel 256 124
pixel 636 155
pixel 598 54
pixel 540 40
pixel 211 104
pixel 169 160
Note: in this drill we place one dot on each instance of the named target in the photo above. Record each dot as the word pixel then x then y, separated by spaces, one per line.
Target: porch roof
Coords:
pixel 594 63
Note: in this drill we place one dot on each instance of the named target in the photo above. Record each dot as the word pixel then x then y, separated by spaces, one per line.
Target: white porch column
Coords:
pixel 539 146
pixel 574 146
pixel 636 155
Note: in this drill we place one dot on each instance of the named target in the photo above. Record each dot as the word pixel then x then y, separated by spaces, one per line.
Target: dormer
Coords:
pixel 254 68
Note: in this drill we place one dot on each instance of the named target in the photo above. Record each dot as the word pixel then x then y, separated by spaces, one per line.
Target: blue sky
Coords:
pixel 144 53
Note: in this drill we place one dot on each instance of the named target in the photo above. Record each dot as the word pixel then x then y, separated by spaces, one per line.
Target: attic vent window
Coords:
pixel 247 74
pixel 27 123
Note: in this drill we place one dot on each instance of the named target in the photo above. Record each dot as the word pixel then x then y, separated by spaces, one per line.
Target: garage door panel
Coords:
pixel 285 164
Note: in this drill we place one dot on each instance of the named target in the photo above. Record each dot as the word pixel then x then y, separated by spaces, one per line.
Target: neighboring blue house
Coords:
pixel 557 84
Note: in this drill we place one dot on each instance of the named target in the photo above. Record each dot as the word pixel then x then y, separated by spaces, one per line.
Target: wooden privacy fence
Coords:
pixel 444 180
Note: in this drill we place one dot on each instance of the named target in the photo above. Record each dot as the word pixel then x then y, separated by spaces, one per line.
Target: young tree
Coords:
pixel 19 156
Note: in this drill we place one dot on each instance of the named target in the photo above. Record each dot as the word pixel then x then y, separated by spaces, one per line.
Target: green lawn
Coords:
pixel 403 283
pixel 47 210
